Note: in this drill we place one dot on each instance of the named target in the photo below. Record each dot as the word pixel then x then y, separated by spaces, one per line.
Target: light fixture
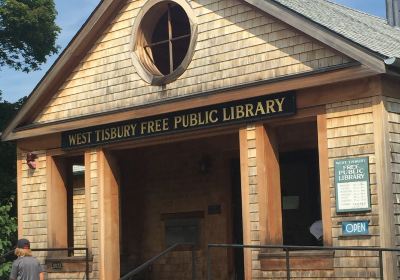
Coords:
pixel 30 160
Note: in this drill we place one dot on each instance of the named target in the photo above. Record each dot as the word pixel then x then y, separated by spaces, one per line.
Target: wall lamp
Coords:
pixel 31 160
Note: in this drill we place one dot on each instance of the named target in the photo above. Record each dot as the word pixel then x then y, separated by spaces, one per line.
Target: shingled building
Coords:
pixel 215 122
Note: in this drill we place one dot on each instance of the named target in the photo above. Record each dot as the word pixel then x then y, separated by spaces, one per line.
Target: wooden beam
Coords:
pixel 52 142
pixel 169 138
pixel 109 217
pixel 332 93
pixel 47 142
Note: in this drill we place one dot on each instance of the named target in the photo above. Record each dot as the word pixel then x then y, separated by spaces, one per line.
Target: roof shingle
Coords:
pixel 370 32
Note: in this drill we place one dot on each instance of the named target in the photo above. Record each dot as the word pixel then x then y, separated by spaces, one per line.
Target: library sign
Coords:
pixel 352 185
pixel 247 110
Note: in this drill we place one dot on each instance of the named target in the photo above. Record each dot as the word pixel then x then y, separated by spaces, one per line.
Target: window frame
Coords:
pixel 138 44
pixel 197 216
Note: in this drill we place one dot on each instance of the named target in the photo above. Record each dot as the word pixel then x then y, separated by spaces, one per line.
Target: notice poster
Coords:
pixel 352 185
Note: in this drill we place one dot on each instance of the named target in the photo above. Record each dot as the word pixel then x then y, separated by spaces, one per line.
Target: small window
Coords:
pixel 182 231
pixel 183 227
pixel 163 41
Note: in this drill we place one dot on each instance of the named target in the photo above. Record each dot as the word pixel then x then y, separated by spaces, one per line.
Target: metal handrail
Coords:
pixel 60 249
pixel 288 248
pixel 69 250
pixel 149 262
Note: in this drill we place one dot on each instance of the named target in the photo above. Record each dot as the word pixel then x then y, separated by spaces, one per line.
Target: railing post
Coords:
pixel 287 264
pixel 193 263
pixel 381 265
pixel 87 263
pixel 208 263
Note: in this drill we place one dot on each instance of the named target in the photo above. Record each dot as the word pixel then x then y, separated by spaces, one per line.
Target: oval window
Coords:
pixel 163 42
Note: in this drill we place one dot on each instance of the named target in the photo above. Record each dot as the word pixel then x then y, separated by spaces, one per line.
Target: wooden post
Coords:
pixel 384 186
pixel 57 204
pixel 324 179
pixel 269 186
pixel 259 159
pixel 109 217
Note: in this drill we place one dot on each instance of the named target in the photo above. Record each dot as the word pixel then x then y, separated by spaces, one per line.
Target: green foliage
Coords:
pixel 8 228
pixel 28 33
pixel 8 186
pixel 8 153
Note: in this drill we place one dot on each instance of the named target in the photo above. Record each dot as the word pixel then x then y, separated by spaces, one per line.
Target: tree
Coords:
pixel 8 186
pixel 28 33
pixel 8 227
pixel 7 152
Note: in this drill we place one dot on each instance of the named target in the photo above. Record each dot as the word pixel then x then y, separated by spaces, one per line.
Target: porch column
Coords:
pixel 57 204
pixel 261 192
pixel 269 186
pixel 109 217
pixel 384 183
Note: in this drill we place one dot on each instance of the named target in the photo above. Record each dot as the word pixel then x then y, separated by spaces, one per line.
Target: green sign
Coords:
pixel 352 185
pixel 246 110
pixel 351 228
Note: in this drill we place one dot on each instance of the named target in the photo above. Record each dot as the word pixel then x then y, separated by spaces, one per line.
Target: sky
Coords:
pixel 73 13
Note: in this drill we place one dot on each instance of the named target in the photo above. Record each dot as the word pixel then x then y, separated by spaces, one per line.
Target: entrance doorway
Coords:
pixel 300 184
pixel 301 205
pixel 181 192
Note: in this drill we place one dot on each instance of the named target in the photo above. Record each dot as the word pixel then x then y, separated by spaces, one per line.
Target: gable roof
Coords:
pixel 362 37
